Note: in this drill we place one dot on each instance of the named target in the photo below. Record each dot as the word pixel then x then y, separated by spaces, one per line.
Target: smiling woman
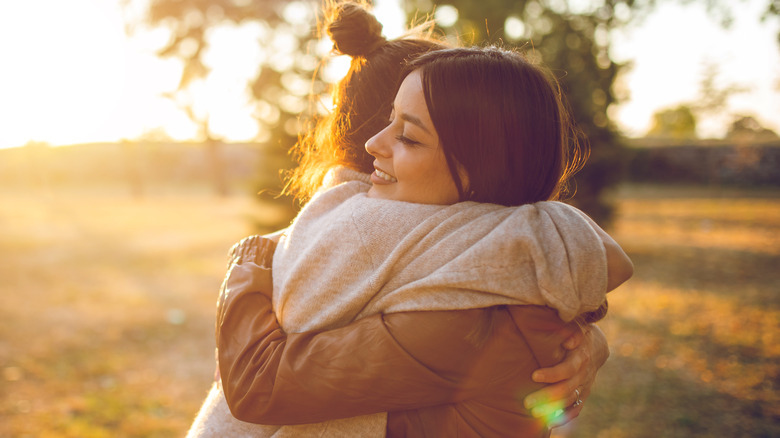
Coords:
pixel 63 71
pixel 367 262
pixel 410 164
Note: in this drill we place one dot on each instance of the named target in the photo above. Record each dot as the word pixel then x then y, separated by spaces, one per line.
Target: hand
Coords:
pixel 570 380
pixel 255 249
pixel 249 268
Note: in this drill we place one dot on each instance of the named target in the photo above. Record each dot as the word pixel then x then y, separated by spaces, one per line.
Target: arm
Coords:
pixel 619 266
pixel 256 249
pixel 381 363
pixel 404 361
pixel 587 354
pixel 587 351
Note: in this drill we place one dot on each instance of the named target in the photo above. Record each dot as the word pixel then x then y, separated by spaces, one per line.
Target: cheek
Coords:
pixel 439 180
pixel 442 170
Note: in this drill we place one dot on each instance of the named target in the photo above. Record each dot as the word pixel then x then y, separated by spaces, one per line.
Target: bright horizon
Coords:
pixel 71 74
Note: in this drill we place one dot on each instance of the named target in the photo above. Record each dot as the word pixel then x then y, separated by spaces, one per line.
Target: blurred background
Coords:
pixel 139 139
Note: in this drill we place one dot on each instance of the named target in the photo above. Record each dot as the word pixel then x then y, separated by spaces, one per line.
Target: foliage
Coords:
pixel 573 40
pixel 746 129
pixel 674 124
pixel 712 97
pixel 575 45
pixel 284 78
pixel 721 163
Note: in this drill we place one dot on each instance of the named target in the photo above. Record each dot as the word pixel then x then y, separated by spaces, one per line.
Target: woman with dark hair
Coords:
pixel 361 100
pixel 463 173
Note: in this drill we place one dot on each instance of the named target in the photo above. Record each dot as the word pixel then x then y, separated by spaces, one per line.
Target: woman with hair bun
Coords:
pixel 361 100
pixel 435 371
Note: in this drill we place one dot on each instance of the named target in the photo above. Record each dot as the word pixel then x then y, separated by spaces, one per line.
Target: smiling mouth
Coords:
pixel 385 176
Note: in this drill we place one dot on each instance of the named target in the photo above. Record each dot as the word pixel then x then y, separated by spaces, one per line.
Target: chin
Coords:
pixel 373 193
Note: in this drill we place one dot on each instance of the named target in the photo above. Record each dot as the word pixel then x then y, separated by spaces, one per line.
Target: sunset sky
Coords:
pixel 70 74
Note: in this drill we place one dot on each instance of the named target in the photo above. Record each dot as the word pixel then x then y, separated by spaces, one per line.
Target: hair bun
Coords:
pixel 353 29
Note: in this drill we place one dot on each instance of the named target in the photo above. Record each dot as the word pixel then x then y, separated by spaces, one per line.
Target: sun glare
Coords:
pixel 70 74
pixel 60 69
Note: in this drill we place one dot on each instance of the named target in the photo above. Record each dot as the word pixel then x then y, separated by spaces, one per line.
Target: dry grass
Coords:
pixel 107 309
pixel 694 335
pixel 106 313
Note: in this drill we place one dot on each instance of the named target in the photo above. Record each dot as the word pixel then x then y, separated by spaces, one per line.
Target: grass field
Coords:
pixel 695 335
pixel 106 313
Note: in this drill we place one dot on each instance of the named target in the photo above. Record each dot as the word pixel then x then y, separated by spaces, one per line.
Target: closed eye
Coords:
pixel 406 140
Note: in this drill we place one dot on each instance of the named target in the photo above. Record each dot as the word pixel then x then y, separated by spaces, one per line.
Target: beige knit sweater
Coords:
pixel 347 256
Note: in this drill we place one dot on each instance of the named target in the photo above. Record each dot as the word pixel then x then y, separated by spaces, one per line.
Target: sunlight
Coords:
pixel 62 84
pixel 667 68
pixel 72 75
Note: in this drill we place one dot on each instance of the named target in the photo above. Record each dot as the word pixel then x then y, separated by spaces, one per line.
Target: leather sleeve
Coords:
pixel 543 331
pixel 380 363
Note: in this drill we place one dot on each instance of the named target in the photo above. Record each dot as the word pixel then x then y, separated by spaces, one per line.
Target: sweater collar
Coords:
pixel 342 174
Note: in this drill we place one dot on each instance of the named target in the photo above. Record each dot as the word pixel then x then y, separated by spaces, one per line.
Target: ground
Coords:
pixel 107 312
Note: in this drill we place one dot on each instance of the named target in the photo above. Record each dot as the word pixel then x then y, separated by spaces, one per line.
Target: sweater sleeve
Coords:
pixel 381 363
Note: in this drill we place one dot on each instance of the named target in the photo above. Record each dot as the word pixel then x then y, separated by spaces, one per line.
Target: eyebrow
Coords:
pixel 414 120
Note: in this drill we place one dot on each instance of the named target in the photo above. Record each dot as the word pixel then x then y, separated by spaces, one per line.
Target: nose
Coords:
pixel 376 146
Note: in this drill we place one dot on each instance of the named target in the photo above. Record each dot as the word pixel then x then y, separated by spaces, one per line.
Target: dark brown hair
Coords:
pixel 362 99
pixel 501 119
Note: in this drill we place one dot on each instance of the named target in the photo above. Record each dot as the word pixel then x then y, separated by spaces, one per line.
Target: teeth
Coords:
pixel 385 176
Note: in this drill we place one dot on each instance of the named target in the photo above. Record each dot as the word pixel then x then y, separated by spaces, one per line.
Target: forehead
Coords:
pixel 410 104
pixel 411 90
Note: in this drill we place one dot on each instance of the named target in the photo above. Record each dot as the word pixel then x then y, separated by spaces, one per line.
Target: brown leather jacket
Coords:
pixel 444 373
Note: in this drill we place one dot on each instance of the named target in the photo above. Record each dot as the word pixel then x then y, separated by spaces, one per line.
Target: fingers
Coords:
pixel 551 397
pixel 565 416
pixel 568 368
pixel 266 253
pixel 249 249
pixel 571 374
pixel 571 412
pixel 574 340
pixel 568 382
pixel 559 412
pixel 255 249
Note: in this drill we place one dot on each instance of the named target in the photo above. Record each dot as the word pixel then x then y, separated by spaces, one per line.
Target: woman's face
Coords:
pixel 409 162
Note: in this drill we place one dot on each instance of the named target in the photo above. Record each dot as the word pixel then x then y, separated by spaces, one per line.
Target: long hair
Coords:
pixel 361 100
pixel 503 121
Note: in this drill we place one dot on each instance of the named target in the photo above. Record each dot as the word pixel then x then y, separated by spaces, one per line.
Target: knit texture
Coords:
pixel 347 256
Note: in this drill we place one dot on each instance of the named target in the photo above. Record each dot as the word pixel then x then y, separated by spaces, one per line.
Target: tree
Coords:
pixel 283 81
pixel 674 124
pixel 575 45
pixel 746 129
pixel 573 38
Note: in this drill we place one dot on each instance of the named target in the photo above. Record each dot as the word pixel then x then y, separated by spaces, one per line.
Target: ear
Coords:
pixel 464 181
